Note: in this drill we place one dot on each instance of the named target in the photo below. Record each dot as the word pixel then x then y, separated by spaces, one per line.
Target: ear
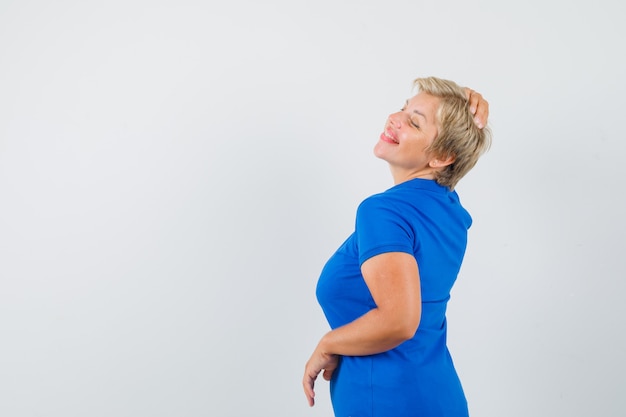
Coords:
pixel 441 162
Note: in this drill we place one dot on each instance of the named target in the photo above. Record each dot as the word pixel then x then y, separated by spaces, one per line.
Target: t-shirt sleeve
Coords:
pixel 380 228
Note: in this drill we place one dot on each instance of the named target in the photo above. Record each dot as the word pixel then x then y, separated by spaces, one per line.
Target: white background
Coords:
pixel 174 174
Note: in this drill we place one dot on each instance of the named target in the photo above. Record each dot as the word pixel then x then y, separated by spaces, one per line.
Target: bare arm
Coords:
pixel 393 281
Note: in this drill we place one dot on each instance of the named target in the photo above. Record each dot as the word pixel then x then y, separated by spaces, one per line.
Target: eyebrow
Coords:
pixel 419 113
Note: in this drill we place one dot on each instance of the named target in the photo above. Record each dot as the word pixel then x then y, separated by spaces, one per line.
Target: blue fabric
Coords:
pixel 417 378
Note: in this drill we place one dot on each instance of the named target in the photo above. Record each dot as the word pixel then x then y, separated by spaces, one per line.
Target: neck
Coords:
pixel 400 176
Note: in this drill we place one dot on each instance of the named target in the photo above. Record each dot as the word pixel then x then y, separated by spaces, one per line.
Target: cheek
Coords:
pixel 417 151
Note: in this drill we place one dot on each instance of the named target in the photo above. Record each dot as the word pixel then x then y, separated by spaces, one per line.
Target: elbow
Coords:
pixel 397 325
pixel 407 327
pixel 409 330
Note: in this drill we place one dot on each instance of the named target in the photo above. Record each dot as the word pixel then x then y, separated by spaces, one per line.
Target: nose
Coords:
pixel 395 119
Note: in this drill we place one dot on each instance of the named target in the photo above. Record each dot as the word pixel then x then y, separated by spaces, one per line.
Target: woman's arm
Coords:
pixel 393 281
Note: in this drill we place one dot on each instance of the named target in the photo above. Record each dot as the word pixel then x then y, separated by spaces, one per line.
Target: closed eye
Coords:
pixel 413 123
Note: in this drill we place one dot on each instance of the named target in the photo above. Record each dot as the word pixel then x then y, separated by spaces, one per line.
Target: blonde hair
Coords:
pixel 458 136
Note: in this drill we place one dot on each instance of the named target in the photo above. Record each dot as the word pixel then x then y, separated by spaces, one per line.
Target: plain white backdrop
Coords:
pixel 174 174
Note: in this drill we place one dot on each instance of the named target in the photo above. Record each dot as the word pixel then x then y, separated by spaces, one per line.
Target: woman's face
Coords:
pixel 407 135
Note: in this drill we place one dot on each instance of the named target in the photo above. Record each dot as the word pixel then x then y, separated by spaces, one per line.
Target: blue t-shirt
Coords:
pixel 417 378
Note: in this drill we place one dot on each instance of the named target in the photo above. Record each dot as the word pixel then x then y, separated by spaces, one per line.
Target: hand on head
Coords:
pixel 478 106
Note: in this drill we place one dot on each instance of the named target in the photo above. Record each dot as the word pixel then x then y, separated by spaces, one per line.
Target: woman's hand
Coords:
pixel 478 106
pixel 319 361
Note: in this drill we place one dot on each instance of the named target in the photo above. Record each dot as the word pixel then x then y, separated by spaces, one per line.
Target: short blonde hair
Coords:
pixel 458 136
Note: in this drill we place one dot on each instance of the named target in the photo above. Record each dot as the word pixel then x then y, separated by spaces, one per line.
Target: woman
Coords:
pixel 384 292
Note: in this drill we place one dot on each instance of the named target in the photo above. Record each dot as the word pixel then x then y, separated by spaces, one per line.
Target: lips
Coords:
pixel 388 136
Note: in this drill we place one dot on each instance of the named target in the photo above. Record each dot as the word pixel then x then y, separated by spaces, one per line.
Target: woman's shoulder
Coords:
pixel 378 199
pixel 402 194
pixel 389 203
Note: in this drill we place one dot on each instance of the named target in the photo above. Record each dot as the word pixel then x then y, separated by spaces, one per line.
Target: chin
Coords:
pixel 378 152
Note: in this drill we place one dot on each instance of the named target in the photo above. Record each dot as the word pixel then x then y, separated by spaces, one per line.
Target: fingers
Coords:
pixel 308 384
pixel 317 363
pixel 481 111
pixel 479 107
pixel 472 100
pixel 309 392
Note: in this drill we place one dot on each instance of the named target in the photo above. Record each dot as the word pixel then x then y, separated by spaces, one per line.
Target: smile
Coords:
pixel 387 137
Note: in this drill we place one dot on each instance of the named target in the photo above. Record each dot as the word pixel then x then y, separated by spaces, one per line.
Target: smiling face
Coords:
pixel 408 134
